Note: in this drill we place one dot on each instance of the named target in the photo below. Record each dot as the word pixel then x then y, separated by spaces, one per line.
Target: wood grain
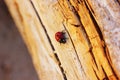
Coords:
pixel 85 55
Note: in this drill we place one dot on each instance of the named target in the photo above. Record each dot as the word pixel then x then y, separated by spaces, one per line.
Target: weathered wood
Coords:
pixel 84 56
pixel 107 15
pixel 31 29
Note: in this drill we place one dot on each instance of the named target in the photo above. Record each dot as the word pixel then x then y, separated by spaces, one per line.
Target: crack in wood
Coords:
pixel 107 55
pixel 87 4
pixel 99 34
pixel 110 61
pixel 75 50
pixel 71 14
pixel 80 1
pixel 81 26
pixel 95 23
pixel 106 77
pixel 96 74
pixel 59 63
pixel 43 26
pixel 92 15
pixel 83 29
pixel 74 11
pixel 118 1
pixel 93 57
pixel 61 68
pixel 78 18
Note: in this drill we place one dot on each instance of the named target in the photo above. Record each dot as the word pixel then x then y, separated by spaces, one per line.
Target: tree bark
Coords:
pixel 92 32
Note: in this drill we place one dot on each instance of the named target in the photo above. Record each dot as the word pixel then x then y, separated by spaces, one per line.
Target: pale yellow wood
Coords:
pixel 84 56
pixel 29 26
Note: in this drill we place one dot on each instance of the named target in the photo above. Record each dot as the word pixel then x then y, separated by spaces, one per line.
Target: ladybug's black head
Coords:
pixel 63 40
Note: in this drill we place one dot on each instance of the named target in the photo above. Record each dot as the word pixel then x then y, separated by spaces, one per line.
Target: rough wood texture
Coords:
pixel 92 31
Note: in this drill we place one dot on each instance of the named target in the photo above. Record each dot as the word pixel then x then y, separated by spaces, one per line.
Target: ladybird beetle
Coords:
pixel 60 37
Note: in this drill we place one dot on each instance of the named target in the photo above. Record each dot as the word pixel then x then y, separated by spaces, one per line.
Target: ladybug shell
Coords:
pixel 59 36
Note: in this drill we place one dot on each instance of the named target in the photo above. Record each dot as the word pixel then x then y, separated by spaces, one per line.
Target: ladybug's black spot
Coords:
pixel 63 40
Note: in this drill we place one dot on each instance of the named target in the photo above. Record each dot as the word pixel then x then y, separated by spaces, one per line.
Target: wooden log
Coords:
pixel 91 28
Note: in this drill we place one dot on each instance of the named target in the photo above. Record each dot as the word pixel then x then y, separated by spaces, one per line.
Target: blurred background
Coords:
pixel 15 61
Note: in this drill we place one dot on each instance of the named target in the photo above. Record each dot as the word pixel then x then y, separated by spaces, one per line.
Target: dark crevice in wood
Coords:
pixel 102 39
pixel 107 54
pixel 99 34
pixel 93 57
pixel 74 11
pixel 43 26
pixel 82 27
pixel 95 23
pixel 61 68
pixel 118 1
pixel 109 61
pixel 74 49
pixel 59 63
pixel 80 1
pixel 86 36
pixel 106 77
pixel 96 74
pixel 89 7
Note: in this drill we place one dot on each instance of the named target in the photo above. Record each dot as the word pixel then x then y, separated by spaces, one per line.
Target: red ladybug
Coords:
pixel 60 37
